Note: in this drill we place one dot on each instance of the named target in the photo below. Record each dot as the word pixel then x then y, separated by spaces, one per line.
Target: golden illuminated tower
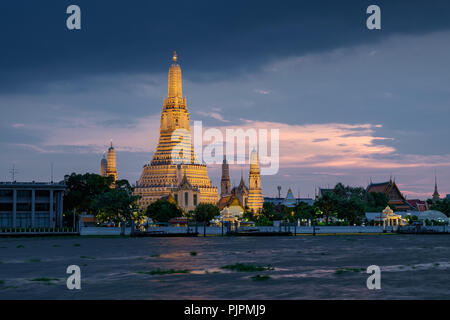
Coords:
pixel 255 198
pixel 111 163
pixel 175 152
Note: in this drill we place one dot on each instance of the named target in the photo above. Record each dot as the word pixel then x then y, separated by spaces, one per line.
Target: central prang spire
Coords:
pixel 174 124
pixel 175 86
pixel 174 114
pixel 175 57
pixel 175 154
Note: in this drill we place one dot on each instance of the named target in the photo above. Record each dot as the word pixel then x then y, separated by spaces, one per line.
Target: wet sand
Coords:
pixel 304 267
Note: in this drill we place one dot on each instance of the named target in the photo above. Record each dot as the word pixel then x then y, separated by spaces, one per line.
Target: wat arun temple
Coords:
pixel 174 173
pixel 165 173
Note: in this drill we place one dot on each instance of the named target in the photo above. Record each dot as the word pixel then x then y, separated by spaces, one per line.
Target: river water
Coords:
pixel 302 267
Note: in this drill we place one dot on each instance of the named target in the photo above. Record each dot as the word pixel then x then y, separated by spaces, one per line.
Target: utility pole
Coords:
pixel 74 212
pixel 13 172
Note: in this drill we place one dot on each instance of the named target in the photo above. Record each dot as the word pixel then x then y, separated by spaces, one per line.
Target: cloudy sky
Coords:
pixel 351 104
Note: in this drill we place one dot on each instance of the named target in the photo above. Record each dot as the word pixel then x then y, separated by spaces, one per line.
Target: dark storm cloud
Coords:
pixel 225 36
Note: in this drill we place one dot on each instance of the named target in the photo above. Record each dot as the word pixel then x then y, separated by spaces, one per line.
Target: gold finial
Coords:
pixel 175 56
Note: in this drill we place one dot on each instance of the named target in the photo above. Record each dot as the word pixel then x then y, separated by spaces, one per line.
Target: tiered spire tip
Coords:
pixel 175 57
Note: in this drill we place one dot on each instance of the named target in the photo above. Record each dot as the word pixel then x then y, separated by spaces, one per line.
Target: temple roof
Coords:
pixel 379 187
pixel 386 188
pixel 227 201
pixel 391 190
pixel 223 202
pixel 290 195
pixel 185 184
pixel 169 197
pixel 242 183
pixel 418 204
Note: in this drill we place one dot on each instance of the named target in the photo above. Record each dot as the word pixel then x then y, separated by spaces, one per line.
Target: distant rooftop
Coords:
pixel 276 198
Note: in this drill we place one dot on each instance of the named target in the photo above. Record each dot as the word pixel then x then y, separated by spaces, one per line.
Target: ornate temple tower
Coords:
pixel 225 183
pixel 111 163
pixel 241 191
pixel 175 151
pixel 436 195
pixel 103 166
pixel 255 198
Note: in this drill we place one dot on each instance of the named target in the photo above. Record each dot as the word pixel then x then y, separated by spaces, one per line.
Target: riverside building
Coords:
pixel 31 204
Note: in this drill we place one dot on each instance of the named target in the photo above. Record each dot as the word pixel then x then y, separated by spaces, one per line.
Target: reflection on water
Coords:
pixel 322 267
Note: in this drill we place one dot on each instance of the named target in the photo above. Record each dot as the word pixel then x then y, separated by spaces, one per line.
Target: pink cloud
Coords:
pixel 321 153
pixel 340 145
pixel 331 145
pixel 214 115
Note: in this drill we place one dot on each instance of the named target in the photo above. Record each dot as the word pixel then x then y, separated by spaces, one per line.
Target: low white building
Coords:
pixel 386 218
pixel 432 215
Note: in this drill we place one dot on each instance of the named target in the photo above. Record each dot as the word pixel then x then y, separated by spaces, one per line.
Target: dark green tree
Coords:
pixel 328 205
pixel 163 211
pixel 204 213
pixel 442 206
pixel 123 184
pixel 411 219
pixel 82 189
pixel 351 210
pixel 375 202
pixel 347 192
pixel 340 190
pixel 118 205
pixel 279 212
pixel 288 214
pixel 248 215
pixel 272 212
pixel 304 211
pixel 268 210
pixel 262 220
